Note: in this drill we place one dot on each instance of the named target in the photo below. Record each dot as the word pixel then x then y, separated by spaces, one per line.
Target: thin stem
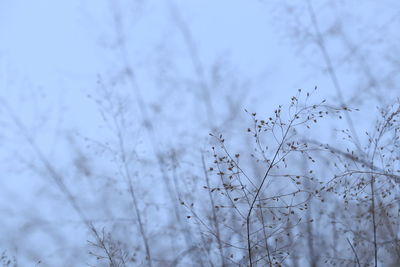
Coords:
pixel 331 70
pixel 214 215
pixel 258 191
pixel 355 253
pixel 374 219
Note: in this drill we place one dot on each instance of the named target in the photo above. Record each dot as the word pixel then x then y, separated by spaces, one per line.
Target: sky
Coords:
pixel 56 58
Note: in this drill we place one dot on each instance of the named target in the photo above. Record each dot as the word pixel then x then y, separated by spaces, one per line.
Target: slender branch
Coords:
pixel 331 70
pixel 214 215
pixel 58 180
pixel 355 253
pixel 258 191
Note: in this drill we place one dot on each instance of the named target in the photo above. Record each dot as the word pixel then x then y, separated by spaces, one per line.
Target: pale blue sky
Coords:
pixel 54 53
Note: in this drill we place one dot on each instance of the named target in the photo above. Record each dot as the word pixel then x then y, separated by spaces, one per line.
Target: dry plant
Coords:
pixel 367 185
pixel 8 261
pixel 267 220
pixel 289 200
pixel 252 218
